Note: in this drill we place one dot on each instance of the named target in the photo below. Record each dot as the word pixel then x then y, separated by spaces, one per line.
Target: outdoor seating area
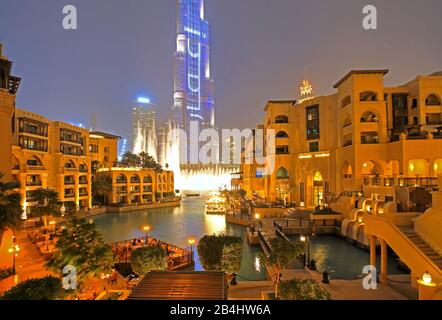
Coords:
pixel 177 257
pixel 45 241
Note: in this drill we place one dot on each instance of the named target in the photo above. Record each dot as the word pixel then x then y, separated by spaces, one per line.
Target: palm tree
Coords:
pixel 10 207
pixel 95 165
pixel 102 186
pixel 148 162
pixel 80 245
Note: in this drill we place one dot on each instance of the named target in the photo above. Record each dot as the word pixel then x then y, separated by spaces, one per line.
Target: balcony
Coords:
pixel 70 170
pixel 84 193
pixel 83 181
pixel 69 182
pixel 35 168
pixel 33 184
pixel 414 182
pixel 69 195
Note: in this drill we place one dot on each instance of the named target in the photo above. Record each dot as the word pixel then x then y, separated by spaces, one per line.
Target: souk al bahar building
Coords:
pixel 371 153
pixel 44 154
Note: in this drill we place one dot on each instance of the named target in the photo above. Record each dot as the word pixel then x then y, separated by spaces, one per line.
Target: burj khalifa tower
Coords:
pixel 193 85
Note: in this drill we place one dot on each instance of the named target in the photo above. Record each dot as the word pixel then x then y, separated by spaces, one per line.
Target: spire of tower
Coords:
pixel 306 90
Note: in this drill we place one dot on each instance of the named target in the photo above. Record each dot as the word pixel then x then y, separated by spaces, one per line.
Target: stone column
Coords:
pixel 384 261
pixel 129 193
pixel 373 250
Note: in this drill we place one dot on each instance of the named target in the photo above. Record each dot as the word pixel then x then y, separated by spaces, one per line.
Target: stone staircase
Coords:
pixel 422 246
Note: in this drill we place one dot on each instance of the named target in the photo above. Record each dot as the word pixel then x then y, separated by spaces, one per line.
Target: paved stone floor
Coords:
pixel 29 264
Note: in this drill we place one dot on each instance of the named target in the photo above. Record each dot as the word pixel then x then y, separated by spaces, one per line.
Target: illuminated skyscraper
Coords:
pixel 143 138
pixel 193 94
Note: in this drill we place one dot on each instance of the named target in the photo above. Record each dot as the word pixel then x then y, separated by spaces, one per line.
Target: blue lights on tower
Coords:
pixel 193 95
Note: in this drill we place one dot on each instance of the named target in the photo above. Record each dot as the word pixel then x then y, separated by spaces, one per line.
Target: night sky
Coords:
pixel 260 48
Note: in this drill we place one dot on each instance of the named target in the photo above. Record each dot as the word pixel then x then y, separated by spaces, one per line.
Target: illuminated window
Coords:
pixel 282 174
pixel 312 122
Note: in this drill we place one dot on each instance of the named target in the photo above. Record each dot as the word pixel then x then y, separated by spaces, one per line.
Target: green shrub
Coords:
pixel 146 259
pixel 47 288
pixel 307 289
pixel 220 253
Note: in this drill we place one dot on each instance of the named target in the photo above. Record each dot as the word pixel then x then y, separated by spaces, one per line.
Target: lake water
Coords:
pixel 342 259
pixel 177 225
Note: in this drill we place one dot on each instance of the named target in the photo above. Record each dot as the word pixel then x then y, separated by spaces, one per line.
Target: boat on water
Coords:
pixel 192 195
pixel 215 209
pixel 216 205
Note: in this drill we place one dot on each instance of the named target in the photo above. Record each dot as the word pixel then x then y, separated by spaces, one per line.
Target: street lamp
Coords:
pixel 62 209
pixel 305 239
pixel 426 278
pixel 146 228
pixel 14 249
pixel 191 242
pixel 310 232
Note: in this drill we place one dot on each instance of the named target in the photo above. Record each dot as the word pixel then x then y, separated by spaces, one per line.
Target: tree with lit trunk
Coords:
pixel 43 203
pixel 282 253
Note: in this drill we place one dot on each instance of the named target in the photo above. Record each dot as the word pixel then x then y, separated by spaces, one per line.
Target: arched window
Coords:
pixel 281 119
pixel 282 135
pixel 347 121
pixel 432 100
pixel 368 96
pixel 147 179
pixel 282 173
pixel 135 179
pixel 346 101
pixel 369 116
pixel 69 164
pixel 83 167
pixel 347 170
pixel 34 161
pixel 121 179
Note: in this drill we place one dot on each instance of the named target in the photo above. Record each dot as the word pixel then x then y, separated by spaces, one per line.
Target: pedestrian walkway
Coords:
pixel 29 264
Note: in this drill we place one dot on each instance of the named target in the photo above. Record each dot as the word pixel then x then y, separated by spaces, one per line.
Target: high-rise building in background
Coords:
pixel 143 138
pixel 122 148
pixel 162 140
pixel 193 85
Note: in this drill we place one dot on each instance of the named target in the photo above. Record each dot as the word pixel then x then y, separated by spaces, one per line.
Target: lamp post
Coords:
pixel 146 228
pixel 191 242
pixel 14 249
pixel 62 209
pixel 303 239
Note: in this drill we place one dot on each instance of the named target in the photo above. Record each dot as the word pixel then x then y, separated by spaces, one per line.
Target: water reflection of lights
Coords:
pixel 215 224
pixel 257 264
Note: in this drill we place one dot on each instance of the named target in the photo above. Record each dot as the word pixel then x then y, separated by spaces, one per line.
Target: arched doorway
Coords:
pixel 318 188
